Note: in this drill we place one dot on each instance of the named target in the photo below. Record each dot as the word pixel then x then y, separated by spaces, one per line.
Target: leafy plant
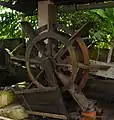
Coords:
pixel 106 29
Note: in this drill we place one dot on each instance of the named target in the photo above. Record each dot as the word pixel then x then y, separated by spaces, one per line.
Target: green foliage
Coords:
pixel 9 23
pixel 107 17
pixel 105 27
pixel 100 35
pixel 73 20
pixel 10 26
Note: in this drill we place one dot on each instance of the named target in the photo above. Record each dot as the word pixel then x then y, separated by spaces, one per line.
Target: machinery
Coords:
pixel 60 60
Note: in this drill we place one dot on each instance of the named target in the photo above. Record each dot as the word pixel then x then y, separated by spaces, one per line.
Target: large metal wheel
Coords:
pixel 60 63
pixel 42 56
pixel 80 50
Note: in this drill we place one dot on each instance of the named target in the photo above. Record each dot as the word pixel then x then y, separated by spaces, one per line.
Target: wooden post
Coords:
pixel 47 15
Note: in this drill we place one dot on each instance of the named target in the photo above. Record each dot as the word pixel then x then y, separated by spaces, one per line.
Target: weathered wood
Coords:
pixel 106 73
pixel 36 90
pixel 27 28
pixel 17 47
pixel 50 115
pixel 48 101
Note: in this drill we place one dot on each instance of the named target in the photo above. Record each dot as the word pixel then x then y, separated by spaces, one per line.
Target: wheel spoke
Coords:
pixel 49 47
pixel 36 47
pixel 39 74
pixel 69 66
pixel 80 65
pixel 47 61
pixel 34 61
pixel 59 52
pixel 40 47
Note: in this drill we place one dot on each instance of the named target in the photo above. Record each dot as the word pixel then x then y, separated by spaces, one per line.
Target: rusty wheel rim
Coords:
pixel 84 73
pixel 84 52
pixel 85 55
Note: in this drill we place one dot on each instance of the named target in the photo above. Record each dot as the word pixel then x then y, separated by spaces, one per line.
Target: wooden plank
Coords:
pixel 50 115
pixel 107 73
pixel 36 90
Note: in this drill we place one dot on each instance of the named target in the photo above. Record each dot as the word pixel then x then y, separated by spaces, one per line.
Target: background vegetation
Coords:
pixel 100 35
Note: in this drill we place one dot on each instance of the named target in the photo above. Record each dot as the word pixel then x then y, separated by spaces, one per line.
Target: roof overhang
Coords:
pixel 29 6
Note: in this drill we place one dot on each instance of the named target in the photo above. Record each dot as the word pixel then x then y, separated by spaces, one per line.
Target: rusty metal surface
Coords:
pixel 79 32
pixel 19 5
pixel 66 80
pixel 84 54
pixel 83 70
pixel 79 45
pixel 53 66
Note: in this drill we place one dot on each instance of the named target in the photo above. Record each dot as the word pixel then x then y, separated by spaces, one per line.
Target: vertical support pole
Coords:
pixel 47 16
pixel 46 13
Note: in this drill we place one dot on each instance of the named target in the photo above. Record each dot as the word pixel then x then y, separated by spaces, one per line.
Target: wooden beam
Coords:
pixel 73 8
pixel 50 115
